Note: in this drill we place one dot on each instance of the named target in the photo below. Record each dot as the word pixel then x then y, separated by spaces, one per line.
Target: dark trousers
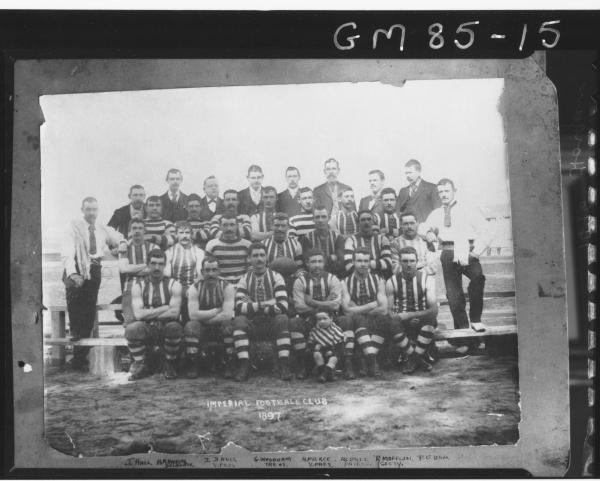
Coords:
pixel 81 307
pixel 453 273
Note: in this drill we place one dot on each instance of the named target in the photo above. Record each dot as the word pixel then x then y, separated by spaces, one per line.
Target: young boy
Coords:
pixel 326 340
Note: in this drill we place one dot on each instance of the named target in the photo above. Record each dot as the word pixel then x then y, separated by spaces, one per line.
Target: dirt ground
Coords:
pixel 471 400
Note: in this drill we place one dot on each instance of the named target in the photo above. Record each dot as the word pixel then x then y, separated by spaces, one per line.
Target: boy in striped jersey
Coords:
pixel 133 264
pixel 346 220
pixel 426 259
pixel 364 304
pixel 210 305
pixel 230 206
pixel 412 306
pixel 377 244
pixel 326 340
pixel 156 302
pixel 261 305
pixel 326 240
pixel 387 221
pixel 314 291
pixel 199 225
pixel 159 231
pixel 303 223
pixel 230 250
pixel 262 222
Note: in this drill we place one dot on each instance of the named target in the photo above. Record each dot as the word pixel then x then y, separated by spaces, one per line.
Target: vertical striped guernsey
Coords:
pixel 353 285
pixel 249 290
pixel 164 288
pixel 388 221
pixel 378 245
pixel 232 257
pixel 210 294
pixel 185 262
pixel 136 254
pixel 289 248
pixel 327 243
pixel 347 222
pixel 409 295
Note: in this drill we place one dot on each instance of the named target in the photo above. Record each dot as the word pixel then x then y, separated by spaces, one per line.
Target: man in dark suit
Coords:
pixel 327 194
pixel 251 197
pixel 288 201
pixel 419 197
pixel 174 201
pixel 121 217
pixel 373 202
pixel 211 204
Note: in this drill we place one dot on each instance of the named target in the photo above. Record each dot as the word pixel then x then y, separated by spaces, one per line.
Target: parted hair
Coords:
pixel 156 254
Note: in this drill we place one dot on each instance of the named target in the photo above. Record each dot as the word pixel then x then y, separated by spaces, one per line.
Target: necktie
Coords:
pixel 363 297
pixel 173 198
pixel 156 297
pixel 93 247
pixel 447 219
pixel 260 289
pixel 317 292
pixel 212 205
pixel 413 189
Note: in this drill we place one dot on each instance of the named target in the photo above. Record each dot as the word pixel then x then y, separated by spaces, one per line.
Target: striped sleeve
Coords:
pixel 298 253
pixel 349 249
pixel 213 228
pixel 243 301
pixel 384 263
pixel 245 227
pixel 280 292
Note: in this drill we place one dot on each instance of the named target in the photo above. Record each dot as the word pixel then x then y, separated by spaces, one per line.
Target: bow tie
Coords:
pixel 212 201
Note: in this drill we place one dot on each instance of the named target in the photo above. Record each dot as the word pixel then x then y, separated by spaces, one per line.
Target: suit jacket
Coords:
pixel 322 195
pixel 247 206
pixel 364 205
pixel 120 220
pixel 174 211
pixel 426 199
pixel 206 214
pixel 288 204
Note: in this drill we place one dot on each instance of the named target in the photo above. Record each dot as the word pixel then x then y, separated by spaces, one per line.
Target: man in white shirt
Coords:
pixel 82 258
pixel 457 229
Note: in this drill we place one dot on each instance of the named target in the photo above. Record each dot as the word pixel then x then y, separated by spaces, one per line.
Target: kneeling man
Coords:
pixel 156 302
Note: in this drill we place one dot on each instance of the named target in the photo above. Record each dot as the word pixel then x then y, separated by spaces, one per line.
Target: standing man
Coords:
pixel 261 304
pixel 210 306
pixel 377 244
pixel 345 220
pixel 457 228
pixel 156 304
pixel 364 304
pixel 231 207
pixel 158 230
pixel 197 221
pixel 230 250
pixel 327 240
pixel 135 209
pixel 262 222
pixel 288 200
pixel 420 196
pixel 211 204
pixel 388 220
pixel 412 306
pixel 328 194
pixel 426 259
pixel 173 201
pixel 373 202
pixel 82 257
pixel 251 197
pixel 303 222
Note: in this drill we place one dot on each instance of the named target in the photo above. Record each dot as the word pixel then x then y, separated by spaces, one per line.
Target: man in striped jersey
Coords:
pixel 303 223
pixel 387 220
pixel 210 305
pixel 156 302
pixel 230 206
pixel 261 304
pixel 159 231
pixel 326 341
pixel 315 290
pixel 230 250
pixel 412 306
pixel 262 222
pixel 280 244
pixel 326 240
pixel 364 304
pixel 133 264
pixel 199 225
pixel 377 244
pixel 346 220
pixel 426 259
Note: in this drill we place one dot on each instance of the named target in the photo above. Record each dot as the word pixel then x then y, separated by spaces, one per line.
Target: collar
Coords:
pixel 452 204
pixel 210 199
pixel 417 182
pixel 177 195
pixel 293 192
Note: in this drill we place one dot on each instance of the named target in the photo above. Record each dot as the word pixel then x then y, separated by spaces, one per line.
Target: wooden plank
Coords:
pixel 91 341
pixel 57 356
pixel 465 333
pixel 99 307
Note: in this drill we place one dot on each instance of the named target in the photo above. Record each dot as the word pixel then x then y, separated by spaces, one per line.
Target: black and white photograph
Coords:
pixel 279 267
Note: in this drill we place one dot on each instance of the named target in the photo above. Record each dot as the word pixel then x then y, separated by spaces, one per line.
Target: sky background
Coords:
pixel 99 144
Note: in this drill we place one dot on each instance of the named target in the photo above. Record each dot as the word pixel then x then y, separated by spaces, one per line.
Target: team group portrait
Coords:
pixel 281 267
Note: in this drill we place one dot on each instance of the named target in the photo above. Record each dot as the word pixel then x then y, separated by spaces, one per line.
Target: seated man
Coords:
pixel 326 341
pixel 426 259
pixel 364 304
pixel 156 302
pixel 326 240
pixel 261 304
pixel 262 222
pixel 377 244
pixel 159 231
pixel 412 305
pixel 315 290
pixel 230 206
pixel 210 305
